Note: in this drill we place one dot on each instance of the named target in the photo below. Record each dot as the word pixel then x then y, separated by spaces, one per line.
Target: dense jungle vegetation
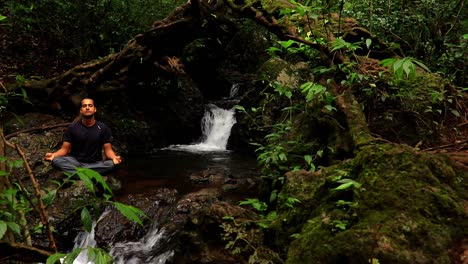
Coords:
pixel 408 59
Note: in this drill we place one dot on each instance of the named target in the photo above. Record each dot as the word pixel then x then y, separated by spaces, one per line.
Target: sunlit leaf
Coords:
pixel 368 43
pixel 55 258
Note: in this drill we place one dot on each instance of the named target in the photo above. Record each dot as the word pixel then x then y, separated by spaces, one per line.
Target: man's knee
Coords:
pixel 65 163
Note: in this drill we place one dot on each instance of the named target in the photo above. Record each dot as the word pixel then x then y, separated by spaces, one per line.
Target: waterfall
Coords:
pixel 148 250
pixel 84 240
pixel 216 129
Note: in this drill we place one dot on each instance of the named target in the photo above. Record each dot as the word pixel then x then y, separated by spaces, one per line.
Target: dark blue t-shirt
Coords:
pixel 87 142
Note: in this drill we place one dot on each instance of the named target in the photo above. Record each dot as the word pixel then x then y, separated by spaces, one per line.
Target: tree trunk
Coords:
pixel 164 42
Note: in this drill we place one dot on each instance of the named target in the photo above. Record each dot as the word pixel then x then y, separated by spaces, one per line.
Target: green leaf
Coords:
pixel 2 17
pixel 86 180
pixel 273 195
pixel 287 44
pixel 408 67
pixel 130 212
pixel 330 107
pixel 3 173
pixel 320 152
pixel 455 112
pixel 86 219
pixel 387 62
pixel 308 158
pixel 49 197
pixel 347 183
pixel 70 257
pixel 240 108
pixel 368 43
pixel 295 235
pixel 96 176
pixel 55 258
pixel 3 228
pixel 14 227
pixel 422 65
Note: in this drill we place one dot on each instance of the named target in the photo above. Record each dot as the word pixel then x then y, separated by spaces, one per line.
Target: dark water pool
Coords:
pixel 171 168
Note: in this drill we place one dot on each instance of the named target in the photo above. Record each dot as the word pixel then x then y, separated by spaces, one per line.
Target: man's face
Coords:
pixel 87 108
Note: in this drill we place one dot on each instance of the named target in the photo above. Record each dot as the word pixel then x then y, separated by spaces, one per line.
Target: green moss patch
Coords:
pixel 390 203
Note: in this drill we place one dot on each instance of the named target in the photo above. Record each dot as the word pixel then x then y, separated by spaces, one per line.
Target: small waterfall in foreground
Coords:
pixel 216 129
pixel 150 249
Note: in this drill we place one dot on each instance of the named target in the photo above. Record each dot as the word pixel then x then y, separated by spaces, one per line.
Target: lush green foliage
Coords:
pixel 83 29
pixel 431 31
pixel 16 201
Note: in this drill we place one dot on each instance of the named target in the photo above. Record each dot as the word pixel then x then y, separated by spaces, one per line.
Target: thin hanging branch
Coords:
pixel 37 192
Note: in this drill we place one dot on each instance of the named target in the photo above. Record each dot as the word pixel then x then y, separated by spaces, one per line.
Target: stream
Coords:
pixel 170 167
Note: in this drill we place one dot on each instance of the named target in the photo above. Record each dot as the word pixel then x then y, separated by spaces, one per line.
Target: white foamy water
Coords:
pixel 216 129
pixel 145 251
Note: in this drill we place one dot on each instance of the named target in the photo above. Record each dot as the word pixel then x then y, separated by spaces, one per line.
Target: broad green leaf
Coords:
pixel 3 173
pixel 2 17
pixel 130 212
pixel 96 176
pixel 368 43
pixel 3 228
pixel 330 108
pixel 287 44
pixel 14 227
pixel 408 67
pixel 55 258
pixel 86 219
pixel 48 199
pixel 422 65
pixel 387 62
pixel 347 183
pixel 86 180
pixel 455 112
pixel 320 152
pixel 282 157
pixel 343 186
pixel 70 257
pixel 273 195
pixel 308 158
pixel 240 108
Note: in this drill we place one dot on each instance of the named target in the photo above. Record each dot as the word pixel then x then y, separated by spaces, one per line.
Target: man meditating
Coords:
pixel 83 143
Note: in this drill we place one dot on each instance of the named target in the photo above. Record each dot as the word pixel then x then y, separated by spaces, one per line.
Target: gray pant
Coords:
pixel 69 164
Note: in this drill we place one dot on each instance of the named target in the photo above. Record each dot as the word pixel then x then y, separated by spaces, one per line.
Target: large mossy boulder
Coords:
pixel 390 204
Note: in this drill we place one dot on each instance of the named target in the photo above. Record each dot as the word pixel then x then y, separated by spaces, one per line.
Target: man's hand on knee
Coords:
pixel 49 156
pixel 117 160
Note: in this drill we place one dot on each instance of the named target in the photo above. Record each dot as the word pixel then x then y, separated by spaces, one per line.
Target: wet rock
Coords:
pixel 403 206
pixel 113 227
pixel 211 175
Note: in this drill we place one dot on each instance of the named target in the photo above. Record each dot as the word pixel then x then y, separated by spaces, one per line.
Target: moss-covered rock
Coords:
pixel 399 206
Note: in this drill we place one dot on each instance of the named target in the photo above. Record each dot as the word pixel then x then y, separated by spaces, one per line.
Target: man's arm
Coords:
pixel 110 154
pixel 64 150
